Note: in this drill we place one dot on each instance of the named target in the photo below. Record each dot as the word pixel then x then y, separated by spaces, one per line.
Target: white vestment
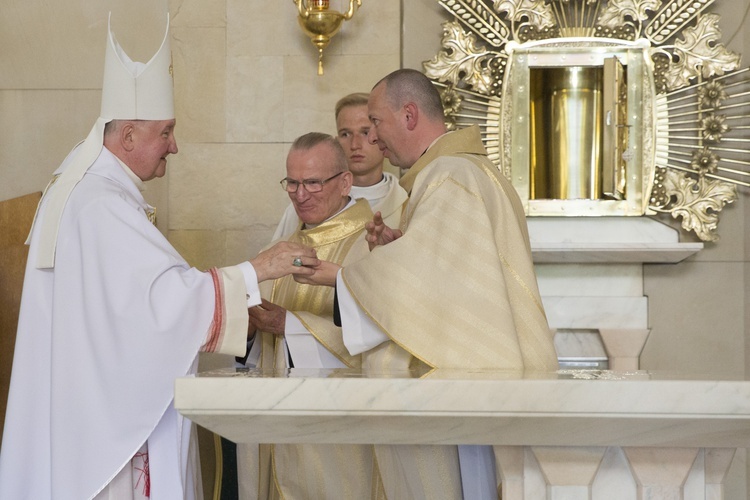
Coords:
pixel 102 337
pixel 387 196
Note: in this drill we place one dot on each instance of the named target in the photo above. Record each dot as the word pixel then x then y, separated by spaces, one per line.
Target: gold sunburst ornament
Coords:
pixel 601 108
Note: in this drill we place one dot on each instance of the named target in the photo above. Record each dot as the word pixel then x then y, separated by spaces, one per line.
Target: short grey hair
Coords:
pixel 312 139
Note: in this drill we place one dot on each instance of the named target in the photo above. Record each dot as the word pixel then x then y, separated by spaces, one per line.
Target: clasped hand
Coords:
pixel 324 273
pixel 282 259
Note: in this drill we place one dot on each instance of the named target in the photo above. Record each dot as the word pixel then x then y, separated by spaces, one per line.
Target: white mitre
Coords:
pixel 130 91
pixel 137 91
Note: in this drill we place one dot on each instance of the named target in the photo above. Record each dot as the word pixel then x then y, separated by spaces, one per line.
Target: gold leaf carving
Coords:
pixel 460 60
pixel 673 17
pixel 536 12
pixel 481 19
pixel 697 201
pixel 699 53
pixel 616 11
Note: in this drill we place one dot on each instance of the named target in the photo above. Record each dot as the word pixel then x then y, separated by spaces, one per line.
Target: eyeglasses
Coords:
pixel 311 185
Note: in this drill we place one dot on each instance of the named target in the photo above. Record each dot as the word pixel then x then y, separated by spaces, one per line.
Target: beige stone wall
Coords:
pixel 246 86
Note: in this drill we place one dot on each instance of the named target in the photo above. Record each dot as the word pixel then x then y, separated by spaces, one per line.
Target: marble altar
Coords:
pixel 573 434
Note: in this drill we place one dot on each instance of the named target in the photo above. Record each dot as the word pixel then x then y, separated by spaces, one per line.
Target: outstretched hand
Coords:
pixel 284 258
pixel 378 233
pixel 323 274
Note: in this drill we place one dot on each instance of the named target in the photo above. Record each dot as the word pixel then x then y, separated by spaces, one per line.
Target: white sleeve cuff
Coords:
pixel 360 333
pixel 251 283
pixel 304 348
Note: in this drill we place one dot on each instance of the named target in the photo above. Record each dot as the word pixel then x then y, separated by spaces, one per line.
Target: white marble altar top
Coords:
pixel 567 408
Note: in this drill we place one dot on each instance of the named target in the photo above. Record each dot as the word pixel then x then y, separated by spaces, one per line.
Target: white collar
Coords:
pixel 374 192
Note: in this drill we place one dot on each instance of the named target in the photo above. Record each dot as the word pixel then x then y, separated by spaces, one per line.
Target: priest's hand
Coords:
pixel 378 233
pixel 268 317
pixel 282 259
pixel 252 326
pixel 323 274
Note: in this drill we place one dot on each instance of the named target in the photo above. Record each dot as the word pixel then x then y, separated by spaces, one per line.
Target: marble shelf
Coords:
pixel 597 240
pixel 572 408
pixel 642 253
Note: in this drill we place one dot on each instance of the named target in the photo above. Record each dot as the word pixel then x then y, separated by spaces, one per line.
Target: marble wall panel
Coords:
pixel 422 31
pixel 138 26
pixel 38 128
pixel 200 74
pixel 695 316
pixel 205 248
pixel 255 99
pixel 198 13
pixel 52 45
pixel 590 280
pixel 309 99
pixel 612 313
pixel 226 186
pixel 731 231
pixel 250 23
pixel 374 29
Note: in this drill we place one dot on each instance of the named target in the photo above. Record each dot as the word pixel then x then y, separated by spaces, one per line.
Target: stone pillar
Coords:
pixel 661 472
pixel 718 461
pixel 623 347
pixel 568 471
pixel 509 464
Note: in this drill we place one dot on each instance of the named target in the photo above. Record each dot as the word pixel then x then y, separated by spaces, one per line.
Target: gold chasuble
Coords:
pixel 339 240
pixel 457 290
pixel 312 471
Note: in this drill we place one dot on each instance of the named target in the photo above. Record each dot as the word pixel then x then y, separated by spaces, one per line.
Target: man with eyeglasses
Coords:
pixel 369 181
pixel 294 327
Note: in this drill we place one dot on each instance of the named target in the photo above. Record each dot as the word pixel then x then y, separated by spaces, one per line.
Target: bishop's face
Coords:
pixel 153 142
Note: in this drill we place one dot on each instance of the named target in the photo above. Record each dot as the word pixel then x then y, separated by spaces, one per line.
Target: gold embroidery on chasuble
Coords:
pixel 151 214
pixel 333 241
pixel 322 471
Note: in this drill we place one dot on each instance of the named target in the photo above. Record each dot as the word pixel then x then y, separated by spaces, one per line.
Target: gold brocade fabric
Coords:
pixel 313 471
pixel 339 240
pixel 458 289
